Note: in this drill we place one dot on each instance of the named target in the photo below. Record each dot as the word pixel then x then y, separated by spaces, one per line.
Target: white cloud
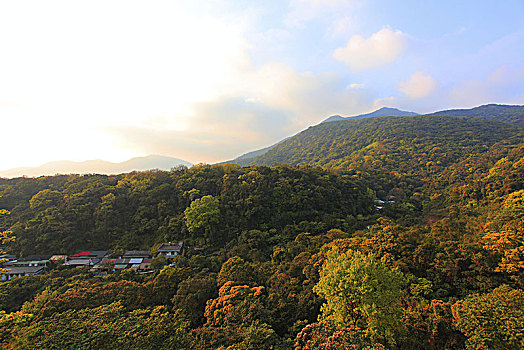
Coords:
pixel 273 102
pixel 310 96
pixel 156 78
pixel 306 10
pixel 342 26
pixel 422 94
pixel 419 85
pixel 383 47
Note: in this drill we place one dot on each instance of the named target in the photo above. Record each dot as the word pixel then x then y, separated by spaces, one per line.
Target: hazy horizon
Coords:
pixel 98 166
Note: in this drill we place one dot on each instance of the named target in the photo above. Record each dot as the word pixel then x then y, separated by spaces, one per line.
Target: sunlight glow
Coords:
pixel 74 68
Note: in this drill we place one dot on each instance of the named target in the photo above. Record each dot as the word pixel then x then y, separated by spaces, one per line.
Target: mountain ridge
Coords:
pixel 511 114
pixel 339 143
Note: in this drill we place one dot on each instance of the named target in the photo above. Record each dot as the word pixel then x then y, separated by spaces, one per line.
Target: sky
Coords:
pixel 207 81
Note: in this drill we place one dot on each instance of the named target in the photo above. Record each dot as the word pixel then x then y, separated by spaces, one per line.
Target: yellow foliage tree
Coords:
pixel 5 236
pixel 505 235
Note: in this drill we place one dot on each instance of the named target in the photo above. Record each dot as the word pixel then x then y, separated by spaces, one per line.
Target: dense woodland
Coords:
pixel 63 214
pixel 382 233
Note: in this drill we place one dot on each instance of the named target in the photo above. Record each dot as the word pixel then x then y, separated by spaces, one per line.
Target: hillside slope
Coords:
pixel 447 218
pixel 502 113
pixel 399 143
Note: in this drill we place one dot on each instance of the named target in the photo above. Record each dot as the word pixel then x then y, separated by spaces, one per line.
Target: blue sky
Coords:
pixel 209 80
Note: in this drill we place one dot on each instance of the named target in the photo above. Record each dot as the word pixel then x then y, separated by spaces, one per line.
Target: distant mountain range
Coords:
pixel 266 156
pixel 502 113
pixel 97 167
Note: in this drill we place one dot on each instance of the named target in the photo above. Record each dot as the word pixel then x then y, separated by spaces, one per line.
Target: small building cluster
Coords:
pixel 379 203
pixel 96 260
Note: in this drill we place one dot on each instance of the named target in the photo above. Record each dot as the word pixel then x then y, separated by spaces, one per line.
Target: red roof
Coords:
pixel 80 254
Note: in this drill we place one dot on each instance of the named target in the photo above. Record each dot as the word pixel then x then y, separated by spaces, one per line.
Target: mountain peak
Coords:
pixel 381 112
pixel 334 118
pixel 389 109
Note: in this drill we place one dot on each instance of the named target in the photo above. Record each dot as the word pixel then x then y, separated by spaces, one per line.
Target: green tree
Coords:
pixel 360 291
pixel 192 295
pixel 202 216
pixel 259 336
pixel 165 284
pixel 325 336
pixel 237 270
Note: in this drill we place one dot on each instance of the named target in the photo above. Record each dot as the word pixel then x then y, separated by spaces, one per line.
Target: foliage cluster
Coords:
pixel 66 214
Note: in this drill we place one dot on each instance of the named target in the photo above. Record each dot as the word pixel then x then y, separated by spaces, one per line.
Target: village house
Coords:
pixel 132 259
pixel 30 265
pixel 100 260
pixel 170 250
pixel 30 261
pixel 19 271
pixel 8 257
pixel 133 263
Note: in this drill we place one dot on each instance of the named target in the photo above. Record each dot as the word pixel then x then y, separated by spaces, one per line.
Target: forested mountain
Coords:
pixel 402 144
pixel 405 158
pixel 382 233
pixel 513 114
pixel 503 113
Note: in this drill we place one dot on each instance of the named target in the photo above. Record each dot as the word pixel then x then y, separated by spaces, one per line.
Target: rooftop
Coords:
pixel 171 246
pixel 90 254
pixel 35 258
pixel 15 270
pixel 137 254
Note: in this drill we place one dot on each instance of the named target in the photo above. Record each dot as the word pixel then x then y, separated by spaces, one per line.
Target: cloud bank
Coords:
pixel 274 102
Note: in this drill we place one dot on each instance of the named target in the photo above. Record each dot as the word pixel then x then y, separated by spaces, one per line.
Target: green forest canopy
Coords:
pixel 435 208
